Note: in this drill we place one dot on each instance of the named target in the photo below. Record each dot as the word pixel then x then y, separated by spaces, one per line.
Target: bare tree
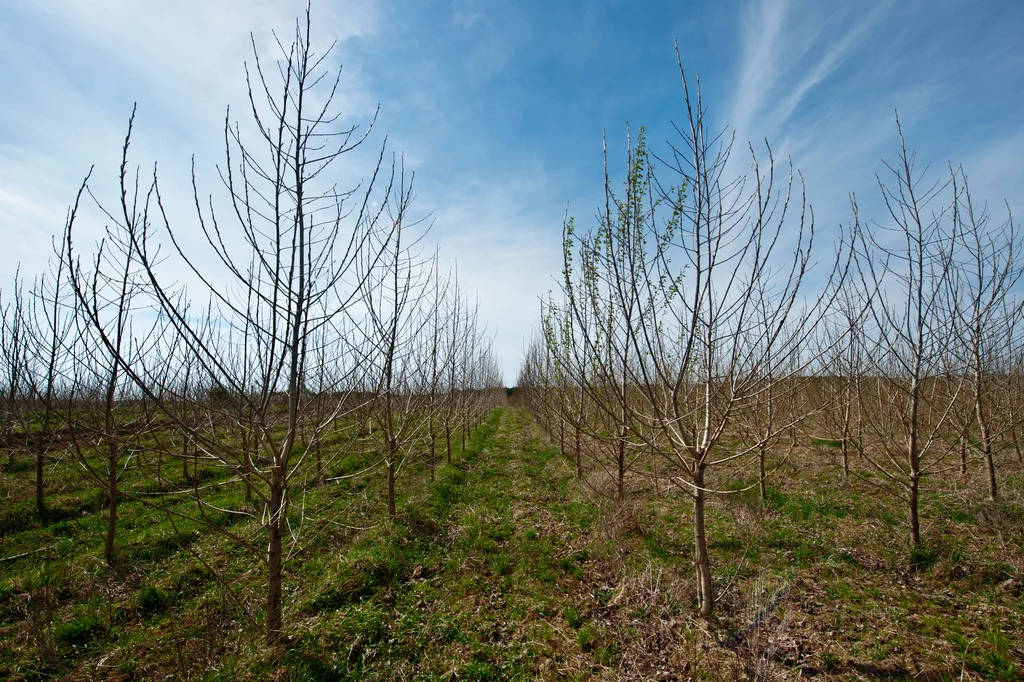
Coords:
pixel 286 282
pixel 610 297
pixel 395 284
pixel 694 316
pixel 471 372
pixel 434 366
pixel 908 261
pixel 52 315
pixel 838 388
pixel 108 293
pixel 984 275
pixel 14 341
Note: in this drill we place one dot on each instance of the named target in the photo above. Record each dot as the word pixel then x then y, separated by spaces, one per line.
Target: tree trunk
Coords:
pixel 576 451
pixel 184 460
pixel 448 441
pixel 1016 440
pixel 705 589
pixel 110 436
pixel 847 409
pixel 108 546
pixel 762 483
pixel 914 460
pixel 986 445
pixel 433 450
pixel 621 461
pixel 561 436
pixel 915 523
pixel 392 460
pixel 990 465
pixel 274 557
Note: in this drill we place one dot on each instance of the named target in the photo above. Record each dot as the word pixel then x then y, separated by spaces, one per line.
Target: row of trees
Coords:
pixel 695 328
pixel 323 331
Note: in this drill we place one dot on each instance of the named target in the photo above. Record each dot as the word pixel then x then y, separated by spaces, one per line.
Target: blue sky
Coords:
pixel 499 106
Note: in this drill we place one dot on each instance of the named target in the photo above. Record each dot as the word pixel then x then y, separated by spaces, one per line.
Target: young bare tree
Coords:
pixel 467 369
pixel 14 355
pixel 841 378
pixel 591 337
pixel 433 361
pixel 985 273
pixel 1014 372
pixel 395 284
pixel 694 315
pixel 564 401
pixel 108 294
pixel 287 280
pixel 770 395
pixel 52 315
pixel 913 389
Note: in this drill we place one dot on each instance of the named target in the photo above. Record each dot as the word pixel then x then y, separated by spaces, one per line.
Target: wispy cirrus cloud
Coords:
pixel 822 84
pixel 788 50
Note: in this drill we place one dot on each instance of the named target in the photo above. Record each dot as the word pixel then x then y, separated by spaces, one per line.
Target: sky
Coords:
pixel 499 107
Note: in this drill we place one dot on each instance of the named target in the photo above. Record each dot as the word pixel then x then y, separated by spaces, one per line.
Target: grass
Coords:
pixel 507 567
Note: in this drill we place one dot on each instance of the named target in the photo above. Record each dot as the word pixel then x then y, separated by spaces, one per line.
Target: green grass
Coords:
pixel 506 567
pixel 81 630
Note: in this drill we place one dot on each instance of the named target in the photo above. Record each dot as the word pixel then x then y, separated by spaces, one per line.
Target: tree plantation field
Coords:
pixel 506 566
pixel 264 433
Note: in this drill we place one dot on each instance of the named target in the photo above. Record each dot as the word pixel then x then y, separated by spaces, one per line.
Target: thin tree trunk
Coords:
pixel 914 457
pixel 762 483
pixel 392 460
pixel 274 557
pixel 576 451
pixel 705 589
pixel 448 441
pixel 990 464
pixel 112 456
pixel 915 523
pixel 621 462
pixel 433 449
pixel 986 444
pixel 184 459
pixel 108 546
pixel 847 409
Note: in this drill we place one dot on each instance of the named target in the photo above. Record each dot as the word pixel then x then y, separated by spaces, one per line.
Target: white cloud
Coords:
pixel 76 68
pixel 836 52
pixel 763 61
pixel 508 252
